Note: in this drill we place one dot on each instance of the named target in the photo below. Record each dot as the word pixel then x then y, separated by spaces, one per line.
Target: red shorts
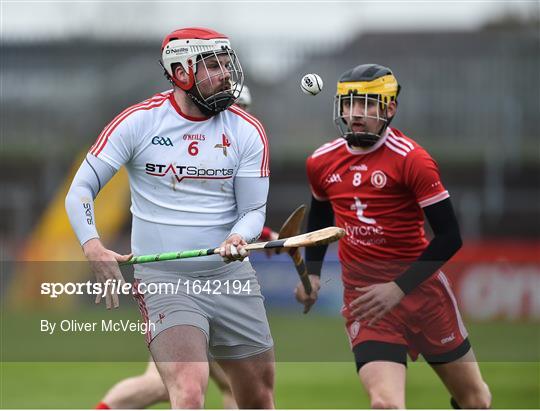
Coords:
pixel 427 321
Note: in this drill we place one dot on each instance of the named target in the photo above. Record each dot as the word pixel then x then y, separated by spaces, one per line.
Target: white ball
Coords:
pixel 311 84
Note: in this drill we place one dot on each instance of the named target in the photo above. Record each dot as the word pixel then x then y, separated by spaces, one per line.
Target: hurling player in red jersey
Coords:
pixel 378 184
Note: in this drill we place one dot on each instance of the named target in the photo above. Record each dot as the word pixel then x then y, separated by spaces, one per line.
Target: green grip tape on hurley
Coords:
pixel 169 256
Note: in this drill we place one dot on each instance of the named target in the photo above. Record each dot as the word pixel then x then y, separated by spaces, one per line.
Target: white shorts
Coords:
pixel 225 304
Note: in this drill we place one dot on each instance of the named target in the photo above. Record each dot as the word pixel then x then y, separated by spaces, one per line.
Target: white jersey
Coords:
pixel 181 169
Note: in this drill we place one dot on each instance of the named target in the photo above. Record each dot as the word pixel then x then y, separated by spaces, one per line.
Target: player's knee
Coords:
pixel 479 398
pixel 479 402
pixel 260 395
pixel 268 379
pixel 385 402
pixel 187 397
pixel 188 394
pixel 261 398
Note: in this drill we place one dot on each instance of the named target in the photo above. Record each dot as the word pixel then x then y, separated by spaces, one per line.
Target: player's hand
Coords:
pixel 301 295
pixel 232 249
pixel 376 300
pixel 104 264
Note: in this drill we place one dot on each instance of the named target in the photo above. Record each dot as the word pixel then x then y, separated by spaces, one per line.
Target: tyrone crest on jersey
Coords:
pixel 378 179
pixel 224 144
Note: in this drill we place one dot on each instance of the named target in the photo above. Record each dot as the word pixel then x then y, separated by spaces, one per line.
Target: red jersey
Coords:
pixel 377 196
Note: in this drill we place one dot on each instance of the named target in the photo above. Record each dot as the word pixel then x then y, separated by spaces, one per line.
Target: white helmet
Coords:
pixel 191 46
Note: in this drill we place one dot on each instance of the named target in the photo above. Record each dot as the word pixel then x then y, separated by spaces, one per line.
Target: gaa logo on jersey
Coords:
pixel 378 179
pixel 162 141
pixel 333 178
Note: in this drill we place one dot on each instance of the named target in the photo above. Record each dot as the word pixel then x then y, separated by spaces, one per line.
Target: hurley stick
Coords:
pixel 291 227
pixel 320 237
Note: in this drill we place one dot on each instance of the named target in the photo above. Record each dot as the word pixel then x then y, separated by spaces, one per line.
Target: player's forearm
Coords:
pixel 250 225
pixel 80 211
pixel 320 216
pixel 251 194
pixel 91 176
pixel 445 243
pixel 438 252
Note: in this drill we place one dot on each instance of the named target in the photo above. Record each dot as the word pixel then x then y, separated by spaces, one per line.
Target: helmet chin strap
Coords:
pixel 215 104
pixel 195 96
pixel 212 105
pixel 363 140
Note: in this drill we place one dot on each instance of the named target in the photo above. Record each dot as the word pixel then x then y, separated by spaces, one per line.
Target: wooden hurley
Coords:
pixel 320 237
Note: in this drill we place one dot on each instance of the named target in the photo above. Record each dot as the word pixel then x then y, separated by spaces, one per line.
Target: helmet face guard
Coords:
pixel 371 86
pixel 370 103
pixel 215 68
pixel 209 61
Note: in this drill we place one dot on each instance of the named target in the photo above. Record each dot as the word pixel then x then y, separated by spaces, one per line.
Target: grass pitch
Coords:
pixel 315 368
pixel 298 385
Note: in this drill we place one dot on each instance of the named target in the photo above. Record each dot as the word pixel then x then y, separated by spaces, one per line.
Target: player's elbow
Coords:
pixel 456 242
pixel 449 243
pixel 459 242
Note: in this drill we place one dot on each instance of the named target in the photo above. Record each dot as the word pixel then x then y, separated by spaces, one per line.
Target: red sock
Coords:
pixel 102 406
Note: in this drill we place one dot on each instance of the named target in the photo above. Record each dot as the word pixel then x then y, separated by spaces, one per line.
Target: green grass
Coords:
pixel 298 338
pixel 298 385
pixel 315 368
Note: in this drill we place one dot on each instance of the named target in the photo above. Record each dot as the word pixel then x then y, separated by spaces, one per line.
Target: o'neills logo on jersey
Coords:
pixel 361 167
pixel 194 137
pixel 182 172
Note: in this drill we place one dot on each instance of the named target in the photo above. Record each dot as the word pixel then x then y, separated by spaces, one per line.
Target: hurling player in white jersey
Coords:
pixel 147 389
pixel 198 171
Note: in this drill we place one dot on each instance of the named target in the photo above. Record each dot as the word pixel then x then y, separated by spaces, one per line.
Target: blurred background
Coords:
pixel 470 76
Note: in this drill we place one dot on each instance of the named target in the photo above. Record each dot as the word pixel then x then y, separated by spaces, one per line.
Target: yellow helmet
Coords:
pixel 368 82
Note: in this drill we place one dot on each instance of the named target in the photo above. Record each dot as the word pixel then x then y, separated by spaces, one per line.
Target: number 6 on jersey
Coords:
pixel 193 148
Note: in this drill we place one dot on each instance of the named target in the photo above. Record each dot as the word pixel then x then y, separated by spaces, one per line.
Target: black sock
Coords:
pixel 454 404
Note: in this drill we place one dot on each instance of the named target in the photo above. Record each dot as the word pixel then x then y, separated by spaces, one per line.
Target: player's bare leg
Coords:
pixel 222 381
pixel 138 392
pixel 180 356
pixel 252 380
pixel 463 380
pixel 384 382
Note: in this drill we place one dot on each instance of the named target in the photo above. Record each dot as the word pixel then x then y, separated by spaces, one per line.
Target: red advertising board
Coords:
pixel 497 280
